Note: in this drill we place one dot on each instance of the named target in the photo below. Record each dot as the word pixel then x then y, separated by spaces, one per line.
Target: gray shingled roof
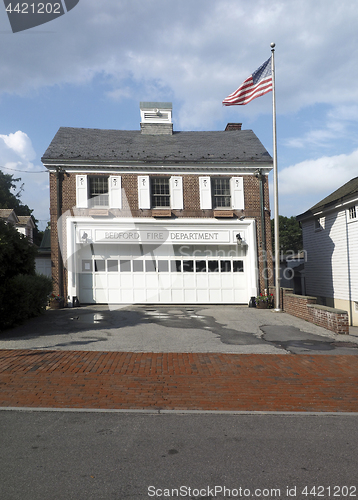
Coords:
pixel 24 220
pixel 80 144
pixel 341 194
pixel 5 212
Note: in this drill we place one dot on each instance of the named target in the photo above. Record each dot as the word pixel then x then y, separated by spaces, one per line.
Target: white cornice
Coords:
pixel 196 168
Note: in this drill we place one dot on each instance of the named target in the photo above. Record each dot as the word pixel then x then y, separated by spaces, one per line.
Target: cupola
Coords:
pixel 156 118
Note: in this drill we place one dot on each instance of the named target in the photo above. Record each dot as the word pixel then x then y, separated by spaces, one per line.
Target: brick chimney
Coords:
pixel 156 118
pixel 233 126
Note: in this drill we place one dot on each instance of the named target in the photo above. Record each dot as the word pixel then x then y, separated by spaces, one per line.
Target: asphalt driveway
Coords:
pixel 220 329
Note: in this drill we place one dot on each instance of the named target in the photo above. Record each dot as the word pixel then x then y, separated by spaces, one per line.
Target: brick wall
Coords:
pixel 305 307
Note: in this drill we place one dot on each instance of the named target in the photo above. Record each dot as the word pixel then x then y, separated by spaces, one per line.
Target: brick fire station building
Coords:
pixel 159 216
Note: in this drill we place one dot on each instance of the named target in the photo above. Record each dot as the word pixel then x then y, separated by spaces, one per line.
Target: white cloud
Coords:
pixel 199 50
pixel 16 153
pixel 320 175
pixel 18 143
pixel 306 183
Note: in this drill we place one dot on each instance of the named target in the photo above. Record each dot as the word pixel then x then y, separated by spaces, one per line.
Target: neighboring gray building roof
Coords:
pixel 341 194
pixel 45 245
pixel 120 146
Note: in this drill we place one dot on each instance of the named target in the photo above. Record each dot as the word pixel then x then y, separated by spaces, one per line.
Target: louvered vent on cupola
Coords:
pixel 156 118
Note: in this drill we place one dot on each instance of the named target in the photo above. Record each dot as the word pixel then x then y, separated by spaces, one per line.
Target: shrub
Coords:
pixel 17 255
pixel 23 297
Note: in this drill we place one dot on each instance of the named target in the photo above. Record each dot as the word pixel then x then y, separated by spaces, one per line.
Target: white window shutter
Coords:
pixel 205 193
pixel 115 191
pixel 237 193
pixel 176 193
pixel 143 192
pixel 81 191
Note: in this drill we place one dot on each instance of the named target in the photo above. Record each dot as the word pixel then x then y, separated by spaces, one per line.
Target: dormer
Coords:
pixel 156 118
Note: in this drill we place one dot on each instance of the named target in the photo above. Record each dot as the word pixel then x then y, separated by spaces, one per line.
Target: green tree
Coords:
pixel 290 234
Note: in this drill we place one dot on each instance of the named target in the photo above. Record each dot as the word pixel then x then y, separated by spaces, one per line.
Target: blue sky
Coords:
pixel 92 67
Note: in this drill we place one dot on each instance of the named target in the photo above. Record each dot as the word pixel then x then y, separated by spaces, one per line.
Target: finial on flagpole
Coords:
pixel 273 46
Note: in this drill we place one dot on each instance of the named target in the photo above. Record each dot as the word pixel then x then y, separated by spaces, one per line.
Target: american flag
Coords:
pixel 257 84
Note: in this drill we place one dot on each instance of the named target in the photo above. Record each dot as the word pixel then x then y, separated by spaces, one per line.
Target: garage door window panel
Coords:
pixel 137 266
pixel 238 266
pixel 200 266
pixel 163 266
pixel 112 266
pixel 150 266
pixel 99 266
pixel 188 266
pixel 125 266
pixel 225 266
pixel 213 266
pixel 175 266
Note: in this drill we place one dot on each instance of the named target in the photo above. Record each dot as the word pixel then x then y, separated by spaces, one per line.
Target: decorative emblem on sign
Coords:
pixel 85 235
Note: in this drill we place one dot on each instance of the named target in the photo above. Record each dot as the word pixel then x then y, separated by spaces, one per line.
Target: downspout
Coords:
pixel 259 175
pixel 59 213
pixel 349 275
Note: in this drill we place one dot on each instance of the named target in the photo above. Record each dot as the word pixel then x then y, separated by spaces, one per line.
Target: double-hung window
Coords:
pixel 160 192
pixel 98 191
pixel 221 195
pixel 352 213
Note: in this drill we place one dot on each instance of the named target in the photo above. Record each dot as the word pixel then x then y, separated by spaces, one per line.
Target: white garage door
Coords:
pixel 163 279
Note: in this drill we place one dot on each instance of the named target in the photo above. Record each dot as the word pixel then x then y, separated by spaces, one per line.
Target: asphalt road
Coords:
pixel 94 456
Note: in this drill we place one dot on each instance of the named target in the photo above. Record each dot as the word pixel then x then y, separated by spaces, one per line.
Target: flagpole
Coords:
pixel 275 182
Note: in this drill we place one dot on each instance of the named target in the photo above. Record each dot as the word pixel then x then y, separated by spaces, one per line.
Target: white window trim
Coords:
pixel 176 194
pixel 237 194
pixel 114 192
pixel 318 224
pixel 349 219
pixel 144 200
pixel 205 193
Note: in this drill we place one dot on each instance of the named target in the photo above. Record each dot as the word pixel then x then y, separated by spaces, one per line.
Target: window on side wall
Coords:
pixel 98 191
pixel 352 213
pixel 318 224
pixel 221 196
pixel 160 192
